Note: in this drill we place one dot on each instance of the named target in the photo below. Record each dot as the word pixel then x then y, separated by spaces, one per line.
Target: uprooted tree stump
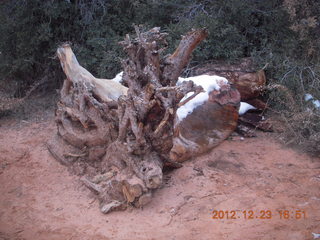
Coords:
pixel 120 138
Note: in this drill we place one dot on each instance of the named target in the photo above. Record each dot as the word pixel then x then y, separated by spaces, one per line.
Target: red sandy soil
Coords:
pixel 40 199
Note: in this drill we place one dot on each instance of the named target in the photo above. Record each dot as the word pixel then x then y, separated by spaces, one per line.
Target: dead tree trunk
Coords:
pixel 119 138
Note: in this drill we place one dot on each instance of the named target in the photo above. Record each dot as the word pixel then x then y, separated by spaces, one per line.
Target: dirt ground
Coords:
pixel 40 199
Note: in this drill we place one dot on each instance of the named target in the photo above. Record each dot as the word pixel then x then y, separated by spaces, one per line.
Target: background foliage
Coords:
pixel 283 33
pixel 277 32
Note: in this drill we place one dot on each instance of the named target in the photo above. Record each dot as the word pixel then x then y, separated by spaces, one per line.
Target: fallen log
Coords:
pixel 208 123
pixel 249 82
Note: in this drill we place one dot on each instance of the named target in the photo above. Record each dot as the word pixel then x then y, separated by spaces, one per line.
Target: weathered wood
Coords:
pixel 256 121
pixel 257 103
pixel 104 89
pixel 249 82
pixel 133 126
pixel 174 64
pixel 208 125
pixel 86 115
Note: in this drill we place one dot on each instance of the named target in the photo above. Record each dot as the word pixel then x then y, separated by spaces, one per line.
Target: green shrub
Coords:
pixel 32 30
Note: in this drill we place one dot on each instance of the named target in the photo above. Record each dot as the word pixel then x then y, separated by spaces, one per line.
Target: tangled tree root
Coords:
pixel 118 139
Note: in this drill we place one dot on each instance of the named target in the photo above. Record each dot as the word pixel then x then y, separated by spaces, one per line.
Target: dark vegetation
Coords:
pixel 281 33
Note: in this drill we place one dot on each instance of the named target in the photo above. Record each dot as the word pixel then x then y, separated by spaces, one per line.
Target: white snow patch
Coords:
pixel 118 77
pixel 316 102
pixel 244 107
pixel 308 97
pixel 208 83
pixel 316 235
pixel 303 204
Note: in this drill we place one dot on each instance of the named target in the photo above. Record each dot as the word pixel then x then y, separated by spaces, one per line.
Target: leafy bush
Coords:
pixel 32 30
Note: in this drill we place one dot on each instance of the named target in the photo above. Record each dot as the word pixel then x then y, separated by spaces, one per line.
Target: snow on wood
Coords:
pixel 245 107
pixel 208 83
pixel 207 122
pixel 315 102
pixel 118 77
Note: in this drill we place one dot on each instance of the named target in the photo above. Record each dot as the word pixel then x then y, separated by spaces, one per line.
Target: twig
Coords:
pixel 176 210
pixel 164 120
pixel 190 98
pixel 91 185
pixel 56 156
pixel 163 89
pixel 74 155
